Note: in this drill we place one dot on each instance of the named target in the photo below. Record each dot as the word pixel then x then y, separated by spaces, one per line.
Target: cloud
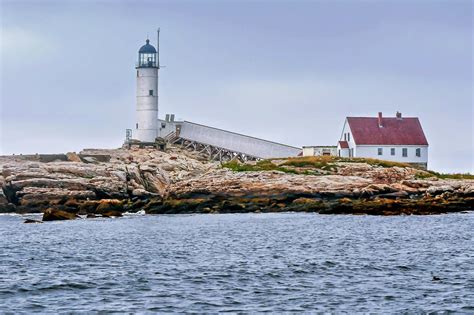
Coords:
pixel 20 45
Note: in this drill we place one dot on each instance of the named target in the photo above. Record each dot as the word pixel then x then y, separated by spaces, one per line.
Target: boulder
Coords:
pixel 142 193
pixel 88 206
pixel 3 198
pixel 108 205
pixel 435 190
pixel 73 157
pixel 137 205
pixel 32 221
pixel 5 205
pixel 72 203
pixel 53 215
pixel 38 199
pixel 90 159
pixel 7 208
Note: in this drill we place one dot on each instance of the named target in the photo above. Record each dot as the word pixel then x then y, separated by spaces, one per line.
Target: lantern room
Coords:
pixel 147 56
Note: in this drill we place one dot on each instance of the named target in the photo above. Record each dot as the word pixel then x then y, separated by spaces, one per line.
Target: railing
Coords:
pixel 171 137
pixel 147 64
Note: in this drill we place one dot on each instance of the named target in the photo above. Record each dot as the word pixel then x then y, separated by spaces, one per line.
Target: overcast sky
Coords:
pixel 287 71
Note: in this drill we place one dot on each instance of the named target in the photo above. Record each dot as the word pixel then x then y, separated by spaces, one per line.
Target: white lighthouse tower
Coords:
pixel 146 127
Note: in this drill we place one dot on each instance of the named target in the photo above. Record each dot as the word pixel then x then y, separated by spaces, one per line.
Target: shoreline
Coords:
pixel 110 182
pixel 38 215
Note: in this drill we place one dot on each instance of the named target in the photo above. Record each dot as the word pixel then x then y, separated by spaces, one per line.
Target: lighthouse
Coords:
pixel 146 127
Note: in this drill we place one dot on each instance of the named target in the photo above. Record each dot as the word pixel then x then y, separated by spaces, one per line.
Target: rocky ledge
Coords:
pixel 178 181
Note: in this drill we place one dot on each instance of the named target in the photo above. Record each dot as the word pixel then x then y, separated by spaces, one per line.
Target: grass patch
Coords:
pixel 327 162
pixel 424 175
pixel 264 165
pixel 310 164
pixel 376 162
pixel 324 163
pixel 428 174
pixel 455 176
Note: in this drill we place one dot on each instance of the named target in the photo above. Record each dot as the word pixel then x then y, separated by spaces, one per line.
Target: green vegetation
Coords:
pixel 264 165
pixel 428 174
pixel 376 162
pixel 424 175
pixel 318 165
pixel 327 162
pixel 308 164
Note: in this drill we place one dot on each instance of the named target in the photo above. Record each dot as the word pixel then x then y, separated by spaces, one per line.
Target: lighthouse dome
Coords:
pixel 147 48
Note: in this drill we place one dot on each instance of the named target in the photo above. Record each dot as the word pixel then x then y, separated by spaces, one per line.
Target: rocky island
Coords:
pixel 109 182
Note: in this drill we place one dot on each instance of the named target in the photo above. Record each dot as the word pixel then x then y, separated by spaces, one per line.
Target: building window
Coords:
pixel 348 136
pixel 418 152
pixel 163 125
pixel 345 137
pixel 404 152
pixel 392 151
pixel 380 151
pixel 150 92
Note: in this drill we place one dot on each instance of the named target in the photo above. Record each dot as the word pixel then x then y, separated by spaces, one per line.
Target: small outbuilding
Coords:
pixel 320 150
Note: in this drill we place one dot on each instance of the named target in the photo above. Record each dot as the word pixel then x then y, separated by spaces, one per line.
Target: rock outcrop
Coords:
pixel 177 181
pixel 224 191
pixel 76 186
pixel 32 221
pixel 55 215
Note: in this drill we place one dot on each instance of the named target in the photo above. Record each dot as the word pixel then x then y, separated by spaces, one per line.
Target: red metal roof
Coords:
pixel 405 131
pixel 344 144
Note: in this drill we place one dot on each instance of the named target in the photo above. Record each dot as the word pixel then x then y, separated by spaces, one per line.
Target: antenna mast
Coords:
pixel 158 48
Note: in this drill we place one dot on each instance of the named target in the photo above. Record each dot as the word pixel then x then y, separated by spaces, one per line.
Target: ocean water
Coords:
pixel 287 262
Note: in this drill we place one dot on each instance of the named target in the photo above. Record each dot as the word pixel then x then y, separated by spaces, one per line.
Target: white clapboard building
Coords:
pixel 398 138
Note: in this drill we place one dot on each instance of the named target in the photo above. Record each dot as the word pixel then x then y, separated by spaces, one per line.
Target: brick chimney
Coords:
pixel 380 120
pixel 399 115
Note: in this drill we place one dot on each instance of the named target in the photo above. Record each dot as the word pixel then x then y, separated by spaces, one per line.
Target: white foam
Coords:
pixel 141 212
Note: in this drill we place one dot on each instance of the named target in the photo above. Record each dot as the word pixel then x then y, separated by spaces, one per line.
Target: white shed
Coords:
pixel 320 150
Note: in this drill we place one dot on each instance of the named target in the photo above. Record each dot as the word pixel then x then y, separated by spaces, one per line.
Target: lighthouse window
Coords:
pixel 150 92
